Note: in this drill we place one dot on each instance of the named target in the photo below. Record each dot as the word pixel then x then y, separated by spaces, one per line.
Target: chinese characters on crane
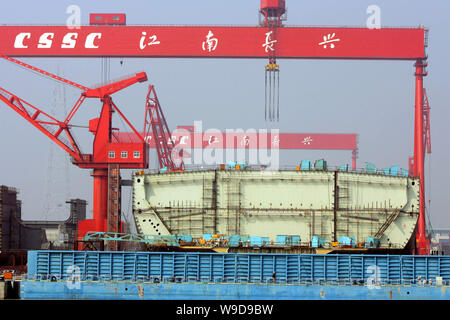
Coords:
pixel 328 40
pixel 152 40
pixel 269 42
pixel 211 43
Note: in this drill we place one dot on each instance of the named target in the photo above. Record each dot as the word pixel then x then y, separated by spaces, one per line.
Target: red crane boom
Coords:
pixel 107 156
pixel 156 122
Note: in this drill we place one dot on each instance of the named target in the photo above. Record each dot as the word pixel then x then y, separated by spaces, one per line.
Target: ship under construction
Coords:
pixel 244 209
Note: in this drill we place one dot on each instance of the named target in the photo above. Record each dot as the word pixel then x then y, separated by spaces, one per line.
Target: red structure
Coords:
pixel 237 42
pixel 107 156
pixel 187 140
pixel 422 145
pixel 162 138
pixel 272 12
pixel 426 123
pixel 197 42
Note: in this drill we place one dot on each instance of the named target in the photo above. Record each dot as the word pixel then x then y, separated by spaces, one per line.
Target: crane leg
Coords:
pixel 100 199
pixel 421 237
pixel 100 207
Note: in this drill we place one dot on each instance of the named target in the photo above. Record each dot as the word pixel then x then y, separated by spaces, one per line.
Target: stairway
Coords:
pixel 387 223
pixel 113 204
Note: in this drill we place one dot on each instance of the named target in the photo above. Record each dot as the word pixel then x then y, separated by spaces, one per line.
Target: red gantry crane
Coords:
pixel 269 40
pixel 107 157
pixel 162 138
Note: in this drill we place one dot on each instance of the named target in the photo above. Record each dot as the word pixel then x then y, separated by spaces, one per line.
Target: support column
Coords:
pixel 419 156
pixel 354 157
pixel 100 199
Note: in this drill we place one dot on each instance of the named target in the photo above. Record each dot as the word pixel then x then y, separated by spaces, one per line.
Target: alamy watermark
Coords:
pixel 74 20
pixel 374 19
pixel 373 282
pixel 74 280
pixel 215 147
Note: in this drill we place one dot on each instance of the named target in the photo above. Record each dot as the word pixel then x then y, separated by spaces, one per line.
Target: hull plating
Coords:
pixel 258 203
pixel 212 291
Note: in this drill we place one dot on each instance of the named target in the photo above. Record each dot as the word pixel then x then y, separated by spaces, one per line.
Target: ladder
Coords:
pixel 387 223
pixel 208 206
pixel 233 204
pixel 113 204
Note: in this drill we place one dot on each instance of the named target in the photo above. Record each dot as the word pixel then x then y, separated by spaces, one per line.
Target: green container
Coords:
pixel 320 165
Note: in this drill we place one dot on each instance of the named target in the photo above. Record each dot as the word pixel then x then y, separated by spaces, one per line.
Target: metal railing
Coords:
pixel 193 168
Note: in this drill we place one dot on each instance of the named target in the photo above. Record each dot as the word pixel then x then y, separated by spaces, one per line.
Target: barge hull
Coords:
pixel 233 276
pixel 211 291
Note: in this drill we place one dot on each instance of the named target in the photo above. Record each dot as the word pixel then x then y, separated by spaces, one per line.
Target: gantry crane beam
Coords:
pixel 214 42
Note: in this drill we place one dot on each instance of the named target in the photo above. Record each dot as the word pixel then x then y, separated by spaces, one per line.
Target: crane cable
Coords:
pixel 272 92
pixel 278 95
pixel 273 72
pixel 265 96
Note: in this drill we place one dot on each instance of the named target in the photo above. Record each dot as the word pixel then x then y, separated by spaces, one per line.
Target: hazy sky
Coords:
pixel 374 99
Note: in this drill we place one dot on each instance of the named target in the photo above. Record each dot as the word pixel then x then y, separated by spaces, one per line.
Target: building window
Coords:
pixel 136 154
pixel 124 154
pixel 112 154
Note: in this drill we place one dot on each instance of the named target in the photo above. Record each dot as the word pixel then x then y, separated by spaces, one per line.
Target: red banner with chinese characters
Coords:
pixel 253 140
pixel 213 42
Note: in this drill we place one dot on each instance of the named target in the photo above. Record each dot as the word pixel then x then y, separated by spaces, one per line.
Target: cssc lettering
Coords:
pixel 46 40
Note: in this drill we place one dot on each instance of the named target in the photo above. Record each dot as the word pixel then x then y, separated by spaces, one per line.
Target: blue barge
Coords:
pixel 233 276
